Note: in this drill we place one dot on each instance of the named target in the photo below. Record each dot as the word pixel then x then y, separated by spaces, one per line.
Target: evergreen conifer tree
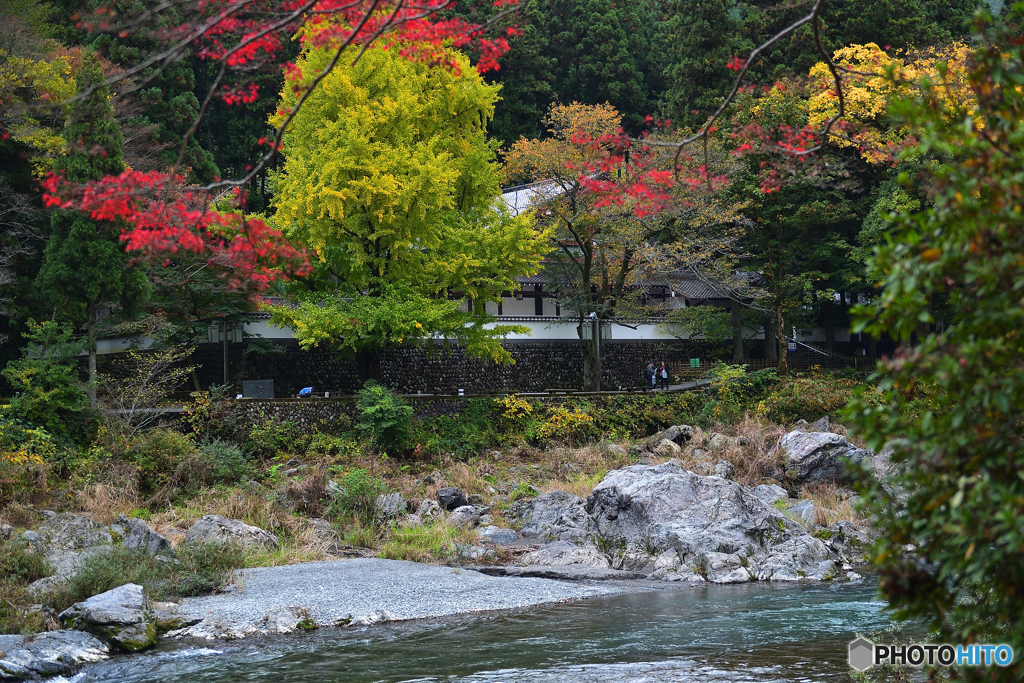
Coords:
pixel 84 263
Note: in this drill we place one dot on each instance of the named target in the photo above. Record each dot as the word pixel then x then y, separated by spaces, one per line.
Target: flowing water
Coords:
pixel 750 632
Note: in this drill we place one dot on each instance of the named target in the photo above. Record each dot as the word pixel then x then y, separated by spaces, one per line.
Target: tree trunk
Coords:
pixel 227 366
pixel 737 334
pixel 589 357
pixel 771 345
pixel 830 325
pixel 91 390
pixel 780 333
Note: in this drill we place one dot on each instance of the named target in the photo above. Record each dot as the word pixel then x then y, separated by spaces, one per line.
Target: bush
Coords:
pixel 158 455
pixel 356 494
pixel 384 417
pixel 228 465
pixel 324 444
pixel 210 416
pixel 809 396
pixel 267 438
pixel 24 456
pixel 569 425
pixel 195 570
pixel 20 565
pixel 461 436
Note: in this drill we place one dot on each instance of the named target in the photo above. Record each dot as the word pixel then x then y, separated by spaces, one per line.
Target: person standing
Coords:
pixel 663 374
pixel 651 375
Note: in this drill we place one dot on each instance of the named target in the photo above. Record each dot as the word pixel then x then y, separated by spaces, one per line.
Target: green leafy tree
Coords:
pixel 84 263
pixel 390 183
pixel 48 393
pixel 384 417
pixel 955 400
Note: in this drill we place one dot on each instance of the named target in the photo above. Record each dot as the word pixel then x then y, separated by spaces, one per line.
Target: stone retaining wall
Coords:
pixel 539 366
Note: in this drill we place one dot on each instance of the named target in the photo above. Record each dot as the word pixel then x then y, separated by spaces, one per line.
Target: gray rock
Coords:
pixel 5 532
pixel 169 617
pixel 717 528
pixel 122 617
pixel 56 653
pixel 849 542
pixel 31 537
pixel 679 434
pixel 389 507
pixel 666 449
pixel 819 457
pixel 218 529
pixel 770 493
pixel 465 515
pixel 73 532
pixel 555 516
pixel 412 521
pixel 802 511
pixel 428 509
pixel 325 534
pixel 721 442
pixel 617 450
pixel 823 424
pixel 451 497
pixel 497 535
pixel 138 536
pixel 724 469
pixel 474 553
pixel 564 554
pixel 288 619
pixel 475 499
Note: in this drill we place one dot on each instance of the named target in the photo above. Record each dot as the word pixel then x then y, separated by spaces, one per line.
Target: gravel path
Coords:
pixel 367 591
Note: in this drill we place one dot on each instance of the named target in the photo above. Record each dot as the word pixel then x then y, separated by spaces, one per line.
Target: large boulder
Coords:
pixel 218 529
pixel 451 497
pixel 73 532
pixel 555 516
pixel 57 653
pixel 716 527
pixel 819 457
pixel 122 617
pixel 564 554
pixel 666 449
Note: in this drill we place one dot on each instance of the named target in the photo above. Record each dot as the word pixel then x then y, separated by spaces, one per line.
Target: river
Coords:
pixel 750 632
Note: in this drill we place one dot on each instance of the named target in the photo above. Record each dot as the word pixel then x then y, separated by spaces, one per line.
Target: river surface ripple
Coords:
pixel 751 632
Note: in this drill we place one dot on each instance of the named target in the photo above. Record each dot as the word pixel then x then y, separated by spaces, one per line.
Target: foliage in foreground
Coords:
pixel 959 463
pixel 194 570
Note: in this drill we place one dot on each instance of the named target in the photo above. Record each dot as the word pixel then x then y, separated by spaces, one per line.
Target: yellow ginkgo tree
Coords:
pixel 390 183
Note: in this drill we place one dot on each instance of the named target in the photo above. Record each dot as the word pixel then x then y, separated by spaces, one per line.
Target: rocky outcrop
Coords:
pixel 287 620
pixel 135 534
pixel 497 535
pixel 819 457
pixel 555 516
pixel 56 653
pixel 717 528
pixel 122 617
pixel 428 509
pixel 770 493
pixel 218 529
pixel 563 554
pixel 666 449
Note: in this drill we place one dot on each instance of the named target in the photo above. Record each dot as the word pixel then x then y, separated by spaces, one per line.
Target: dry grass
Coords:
pixel 831 505
pixel 18 515
pixel 104 503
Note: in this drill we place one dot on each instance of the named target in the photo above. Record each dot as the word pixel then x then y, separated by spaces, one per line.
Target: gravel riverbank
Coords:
pixel 364 591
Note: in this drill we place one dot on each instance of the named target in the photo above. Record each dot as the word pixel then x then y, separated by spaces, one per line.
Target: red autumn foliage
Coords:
pixel 156 212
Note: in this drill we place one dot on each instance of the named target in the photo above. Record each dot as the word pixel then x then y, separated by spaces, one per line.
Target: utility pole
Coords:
pixel 225 352
pixel 597 350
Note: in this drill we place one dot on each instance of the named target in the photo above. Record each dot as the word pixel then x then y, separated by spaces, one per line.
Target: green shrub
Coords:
pixel 228 465
pixel 20 565
pixel 158 455
pixel 384 417
pixel 325 444
pixel 268 437
pixel 356 494
pixel 809 396
pixel 568 425
pixel 196 569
